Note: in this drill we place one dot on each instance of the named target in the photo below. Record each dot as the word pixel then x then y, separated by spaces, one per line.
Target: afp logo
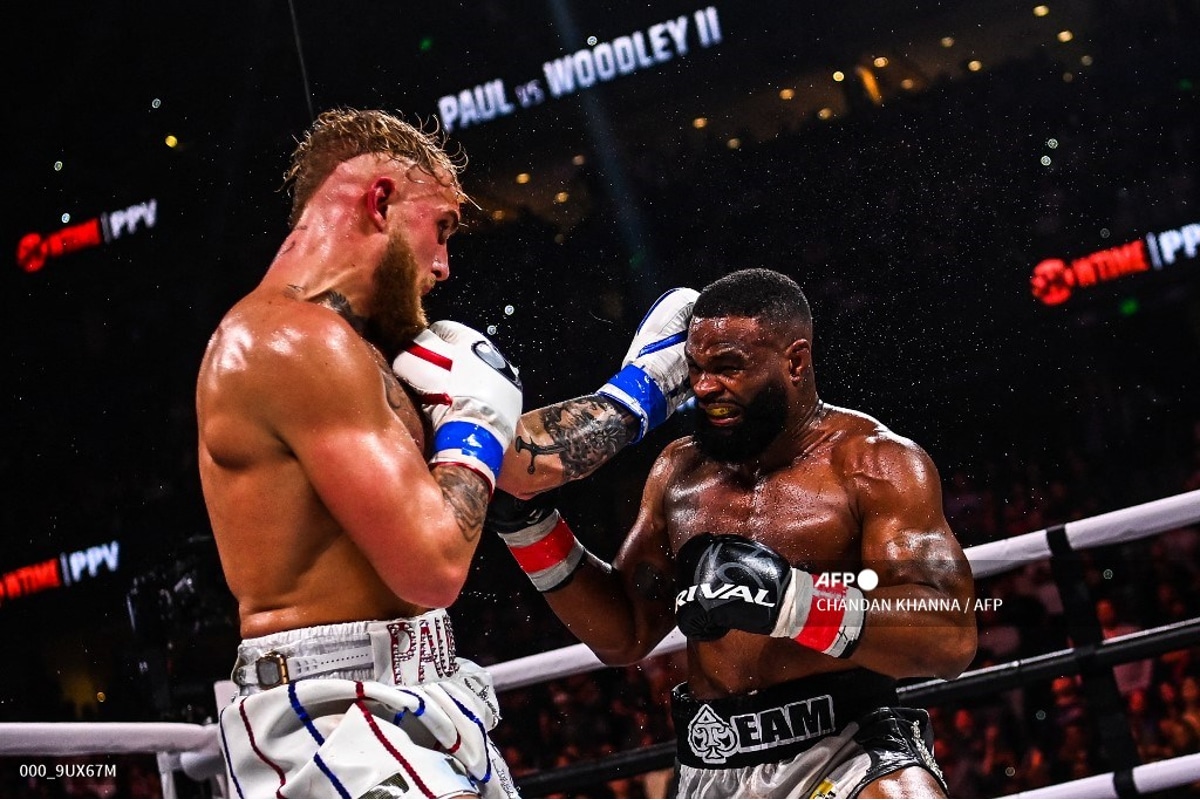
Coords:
pixel 866 580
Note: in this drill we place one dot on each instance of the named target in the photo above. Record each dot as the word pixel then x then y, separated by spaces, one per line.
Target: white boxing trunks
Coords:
pixel 362 709
pixel 825 736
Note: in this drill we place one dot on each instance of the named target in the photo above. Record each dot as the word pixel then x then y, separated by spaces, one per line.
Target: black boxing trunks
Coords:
pixel 825 736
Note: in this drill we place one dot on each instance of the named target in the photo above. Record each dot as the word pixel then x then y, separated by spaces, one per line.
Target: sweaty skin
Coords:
pixel 313 456
pixel 834 490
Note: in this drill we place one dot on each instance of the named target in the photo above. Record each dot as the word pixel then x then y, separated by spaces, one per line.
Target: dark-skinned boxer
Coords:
pixel 746 532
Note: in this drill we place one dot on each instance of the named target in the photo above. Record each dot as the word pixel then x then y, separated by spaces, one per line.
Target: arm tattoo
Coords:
pixel 584 433
pixel 467 494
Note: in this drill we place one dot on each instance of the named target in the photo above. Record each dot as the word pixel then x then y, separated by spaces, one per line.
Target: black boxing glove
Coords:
pixel 537 536
pixel 733 582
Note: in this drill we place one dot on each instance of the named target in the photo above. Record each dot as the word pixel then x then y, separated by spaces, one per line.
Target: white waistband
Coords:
pixel 399 652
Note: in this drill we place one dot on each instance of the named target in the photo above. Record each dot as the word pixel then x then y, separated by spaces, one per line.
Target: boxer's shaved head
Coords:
pixel 768 296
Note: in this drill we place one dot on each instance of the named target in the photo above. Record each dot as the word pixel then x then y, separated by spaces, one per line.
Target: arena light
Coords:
pixel 947 41
pixel 869 84
pixel 974 65
pixel 523 177
pixel 839 76
pixel 787 94
pixel 1041 11
pixel 700 122
pixel 1065 36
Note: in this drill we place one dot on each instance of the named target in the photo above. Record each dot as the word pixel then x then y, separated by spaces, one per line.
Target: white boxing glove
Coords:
pixel 469 391
pixel 653 381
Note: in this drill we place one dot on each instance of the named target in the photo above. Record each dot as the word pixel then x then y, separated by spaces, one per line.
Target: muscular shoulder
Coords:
pixel 867 452
pixel 283 362
pixel 264 340
pixel 681 456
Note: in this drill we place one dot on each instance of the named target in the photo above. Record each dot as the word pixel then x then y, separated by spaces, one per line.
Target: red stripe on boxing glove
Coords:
pixel 826 619
pixel 538 537
pixel 731 582
pixel 469 391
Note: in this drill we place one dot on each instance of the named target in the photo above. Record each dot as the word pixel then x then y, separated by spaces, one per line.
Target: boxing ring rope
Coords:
pixel 996 678
pixel 1146 779
pixel 184 746
pixel 194 748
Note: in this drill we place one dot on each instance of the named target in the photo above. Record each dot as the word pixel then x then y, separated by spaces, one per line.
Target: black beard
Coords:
pixel 763 418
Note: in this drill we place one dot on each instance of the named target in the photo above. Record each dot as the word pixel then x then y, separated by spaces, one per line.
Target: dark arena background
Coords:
pixel 994 208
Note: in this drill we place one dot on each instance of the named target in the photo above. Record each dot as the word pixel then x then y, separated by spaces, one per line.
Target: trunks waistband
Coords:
pixel 399 652
pixel 773 723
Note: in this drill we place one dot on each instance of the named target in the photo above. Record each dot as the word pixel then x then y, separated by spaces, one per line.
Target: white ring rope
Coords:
pixel 197 744
pixel 1123 525
pixel 1148 778
pixel 82 738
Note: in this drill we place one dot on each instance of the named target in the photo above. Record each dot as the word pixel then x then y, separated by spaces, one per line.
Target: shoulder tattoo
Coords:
pixel 336 301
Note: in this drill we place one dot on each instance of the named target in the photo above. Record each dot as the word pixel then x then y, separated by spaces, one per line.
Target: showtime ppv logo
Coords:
pixel 65 570
pixel 34 249
pixel 1054 280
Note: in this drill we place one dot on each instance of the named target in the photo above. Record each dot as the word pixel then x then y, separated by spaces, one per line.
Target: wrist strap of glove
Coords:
pixel 828 619
pixel 547 551
pixel 469 445
pixel 638 392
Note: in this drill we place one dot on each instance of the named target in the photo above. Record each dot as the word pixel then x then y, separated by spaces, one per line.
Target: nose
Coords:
pixel 704 384
pixel 441 266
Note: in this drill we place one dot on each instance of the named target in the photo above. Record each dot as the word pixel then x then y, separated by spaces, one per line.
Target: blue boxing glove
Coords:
pixel 469 391
pixel 731 582
pixel 653 380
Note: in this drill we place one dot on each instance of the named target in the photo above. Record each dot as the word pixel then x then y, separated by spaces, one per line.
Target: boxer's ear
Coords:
pixel 799 357
pixel 380 196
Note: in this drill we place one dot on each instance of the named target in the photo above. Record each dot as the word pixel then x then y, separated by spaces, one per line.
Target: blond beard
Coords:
pixel 399 314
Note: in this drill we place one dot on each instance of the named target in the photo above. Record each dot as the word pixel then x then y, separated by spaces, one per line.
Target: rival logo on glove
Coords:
pixel 724 591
